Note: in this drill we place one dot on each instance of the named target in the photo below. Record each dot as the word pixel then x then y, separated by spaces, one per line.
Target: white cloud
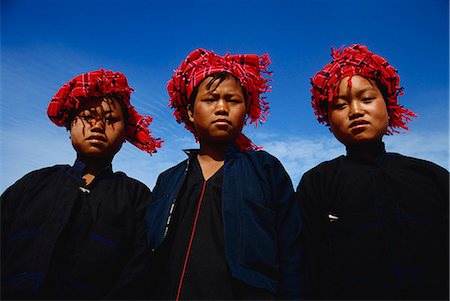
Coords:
pixel 300 153
pixel 35 147
pixel 428 145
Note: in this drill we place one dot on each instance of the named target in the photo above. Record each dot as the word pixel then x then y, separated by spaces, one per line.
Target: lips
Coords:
pixel 96 138
pixel 358 123
pixel 222 121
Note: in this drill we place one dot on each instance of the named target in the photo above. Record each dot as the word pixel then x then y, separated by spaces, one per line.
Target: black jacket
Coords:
pixel 377 229
pixel 37 212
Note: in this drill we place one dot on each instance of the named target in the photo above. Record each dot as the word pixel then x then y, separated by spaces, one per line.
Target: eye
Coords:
pixel 368 99
pixel 112 119
pixel 235 100
pixel 339 106
pixel 87 117
pixel 208 100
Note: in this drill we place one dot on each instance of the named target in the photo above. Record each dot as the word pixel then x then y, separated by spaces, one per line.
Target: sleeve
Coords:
pixel 10 201
pixel 7 199
pixel 442 178
pixel 293 275
pixel 132 283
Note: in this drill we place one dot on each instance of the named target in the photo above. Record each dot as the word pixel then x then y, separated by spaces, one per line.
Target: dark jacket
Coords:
pixel 36 212
pixel 261 220
pixel 377 229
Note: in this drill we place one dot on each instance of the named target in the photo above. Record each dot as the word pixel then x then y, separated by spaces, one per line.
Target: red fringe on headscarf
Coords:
pixel 358 60
pixel 101 83
pixel 201 63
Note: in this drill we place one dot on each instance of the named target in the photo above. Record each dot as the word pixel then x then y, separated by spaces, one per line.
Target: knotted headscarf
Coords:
pixel 201 63
pixel 358 60
pixel 102 83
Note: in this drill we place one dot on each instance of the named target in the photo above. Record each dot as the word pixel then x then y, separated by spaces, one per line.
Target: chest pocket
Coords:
pixel 260 239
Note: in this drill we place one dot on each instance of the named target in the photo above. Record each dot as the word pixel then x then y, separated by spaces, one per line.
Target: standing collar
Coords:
pixel 357 151
pixel 230 152
pixel 79 168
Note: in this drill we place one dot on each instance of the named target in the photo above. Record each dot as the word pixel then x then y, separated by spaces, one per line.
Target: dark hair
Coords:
pixel 126 115
pixel 213 78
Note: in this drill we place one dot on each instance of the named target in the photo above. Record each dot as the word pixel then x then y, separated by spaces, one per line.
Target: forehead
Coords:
pixel 103 104
pixel 356 82
pixel 212 82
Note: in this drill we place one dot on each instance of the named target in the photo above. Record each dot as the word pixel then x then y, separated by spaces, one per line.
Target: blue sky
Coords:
pixel 45 43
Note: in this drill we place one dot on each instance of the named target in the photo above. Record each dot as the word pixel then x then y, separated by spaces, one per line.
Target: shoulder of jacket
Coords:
pixel 326 165
pixel 46 171
pixel 261 155
pixel 418 162
pixel 129 180
pixel 180 166
pixel 38 175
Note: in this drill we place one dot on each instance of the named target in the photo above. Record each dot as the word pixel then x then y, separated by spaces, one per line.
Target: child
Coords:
pixel 78 232
pixel 224 224
pixel 377 222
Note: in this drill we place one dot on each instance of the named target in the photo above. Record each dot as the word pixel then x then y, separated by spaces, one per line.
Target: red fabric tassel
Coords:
pixel 358 60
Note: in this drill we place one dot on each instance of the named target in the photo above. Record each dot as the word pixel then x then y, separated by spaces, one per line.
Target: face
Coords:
pixel 98 129
pixel 358 115
pixel 219 111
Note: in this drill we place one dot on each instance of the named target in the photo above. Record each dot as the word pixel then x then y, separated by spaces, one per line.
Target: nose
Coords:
pixel 221 107
pixel 356 110
pixel 98 124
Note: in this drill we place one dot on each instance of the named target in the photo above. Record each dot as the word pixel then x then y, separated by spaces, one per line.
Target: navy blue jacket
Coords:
pixel 36 212
pixel 261 219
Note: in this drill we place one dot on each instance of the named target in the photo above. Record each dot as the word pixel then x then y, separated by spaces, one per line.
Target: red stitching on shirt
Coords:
pixel 180 284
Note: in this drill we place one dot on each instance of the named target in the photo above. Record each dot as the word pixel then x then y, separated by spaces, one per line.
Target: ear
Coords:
pixel 190 111
pixel 330 127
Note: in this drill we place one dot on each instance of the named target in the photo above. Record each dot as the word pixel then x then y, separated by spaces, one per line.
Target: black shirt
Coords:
pixel 197 257
pixel 377 228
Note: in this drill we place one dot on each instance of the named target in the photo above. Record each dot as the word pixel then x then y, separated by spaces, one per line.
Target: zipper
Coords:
pixel 172 206
pixel 191 239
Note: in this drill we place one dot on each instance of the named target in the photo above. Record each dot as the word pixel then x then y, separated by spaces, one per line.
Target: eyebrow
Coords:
pixel 359 92
pixel 107 111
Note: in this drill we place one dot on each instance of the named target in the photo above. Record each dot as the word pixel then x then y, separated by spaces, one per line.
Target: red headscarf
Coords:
pixel 201 63
pixel 102 83
pixel 358 60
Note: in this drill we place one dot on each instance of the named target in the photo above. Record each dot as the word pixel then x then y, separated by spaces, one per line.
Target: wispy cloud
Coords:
pixel 23 147
pixel 300 153
pixel 428 145
pixel 32 146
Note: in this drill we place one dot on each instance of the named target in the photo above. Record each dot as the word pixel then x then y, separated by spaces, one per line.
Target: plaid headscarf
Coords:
pixel 358 60
pixel 201 63
pixel 101 83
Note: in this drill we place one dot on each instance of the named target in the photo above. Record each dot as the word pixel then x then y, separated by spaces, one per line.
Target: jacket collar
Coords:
pixel 78 170
pixel 231 152
pixel 356 152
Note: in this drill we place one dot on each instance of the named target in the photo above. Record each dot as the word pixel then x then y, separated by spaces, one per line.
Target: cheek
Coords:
pixel 383 115
pixel 240 113
pixel 335 120
pixel 76 131
pixel 117 131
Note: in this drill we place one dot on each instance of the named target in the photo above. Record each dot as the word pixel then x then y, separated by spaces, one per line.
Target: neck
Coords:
pixel 367 150
pixel 211 159
pixel 93 167
pixel 213 151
